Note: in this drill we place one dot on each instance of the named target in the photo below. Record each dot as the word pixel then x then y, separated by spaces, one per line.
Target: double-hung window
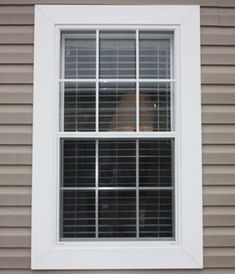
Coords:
pixel 117 137
pixel 117 151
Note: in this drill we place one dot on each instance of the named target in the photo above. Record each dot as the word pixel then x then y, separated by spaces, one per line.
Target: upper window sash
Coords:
pixel 117 80
pixel 139 44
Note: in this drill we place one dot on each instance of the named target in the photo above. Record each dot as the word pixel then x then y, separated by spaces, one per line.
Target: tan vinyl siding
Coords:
pixel 218 17
pixel 218 175
pixel 218 55
pixel 16 54
pixel 16 15
pixel 16 134
pixel 218 94
pixel 15 35
pixel 14 216
pixel 218 129
pixel 15 196
pixel 16 74
pixel 218 114
pixel 15 237
pixel 15 175
pixel 16 94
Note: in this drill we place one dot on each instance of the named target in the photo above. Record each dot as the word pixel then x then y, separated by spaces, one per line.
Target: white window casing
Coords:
pixel 186 251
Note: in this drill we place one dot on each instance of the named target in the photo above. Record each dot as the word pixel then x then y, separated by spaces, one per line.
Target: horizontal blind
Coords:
pixel 117 107
pixel 117 213
pixel 78 214
pixel 79 106
pixel 155 106
pixel 78 163
pixel 117 55
pixel 156 214
pixel 117 163
pixel 156 185
pixel 154 56
pixel 156 163
pixel 80 56
pixel 117 188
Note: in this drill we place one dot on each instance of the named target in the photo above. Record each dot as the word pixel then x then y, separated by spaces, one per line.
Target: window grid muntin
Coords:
pixel 137 80
pixel 164 134
pixel 137 192
pixel 134 188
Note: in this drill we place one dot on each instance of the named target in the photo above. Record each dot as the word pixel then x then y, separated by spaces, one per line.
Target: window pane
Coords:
pixel 101 196
pixel 154 56
pixel 78 163
pixel 155 106
pixel 156 214
pixel 80 55
pixel 117 107
pixel 117 54
pixel 156 164
pixel 117 163
pixel 79 106
pixel 78 214
pixel 116 190
pixel 117 214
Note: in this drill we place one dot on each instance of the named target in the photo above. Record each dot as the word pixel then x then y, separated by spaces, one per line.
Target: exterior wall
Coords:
pixel 218 98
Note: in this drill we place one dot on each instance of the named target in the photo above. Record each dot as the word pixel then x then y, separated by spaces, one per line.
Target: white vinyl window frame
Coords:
pixel 98 134
pixel 186 250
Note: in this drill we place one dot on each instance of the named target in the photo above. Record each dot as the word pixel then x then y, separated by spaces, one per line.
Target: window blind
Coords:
pixel 79 106
pixel 80 56
pixel 117 55
pixel 120 200
pixel 116 82
pixel 154 56
pixel 78 214
pixel 117 213
pixel 155 106
pixel 117 107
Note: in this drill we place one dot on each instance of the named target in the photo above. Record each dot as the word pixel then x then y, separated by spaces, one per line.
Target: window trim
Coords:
pixel 47 252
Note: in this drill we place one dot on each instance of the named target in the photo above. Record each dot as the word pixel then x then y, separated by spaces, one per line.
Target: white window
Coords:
pixel 118 182
pixel 117 138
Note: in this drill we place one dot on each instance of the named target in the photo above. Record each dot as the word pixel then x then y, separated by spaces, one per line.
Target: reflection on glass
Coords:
pixel 155 107
pixel 156 163
pixel 78 163
pixel 154 56
pixel 155 213
pixel 78 214
pixel 117 163
pixel 117 213
pixel 79 106
pixel 117 55
pixel 80 55
pixel 117 107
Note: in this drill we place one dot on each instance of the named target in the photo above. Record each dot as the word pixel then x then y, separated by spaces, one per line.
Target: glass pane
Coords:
pixel 78 214
pixel 117 107
pixel 117 214
pixel 80 55
pixel 156 214
pixel 156 164
pixel 154 56
pixel 155 106
pixel 78 163
pixel 79 106
pixel 117 54
pixel 117 163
